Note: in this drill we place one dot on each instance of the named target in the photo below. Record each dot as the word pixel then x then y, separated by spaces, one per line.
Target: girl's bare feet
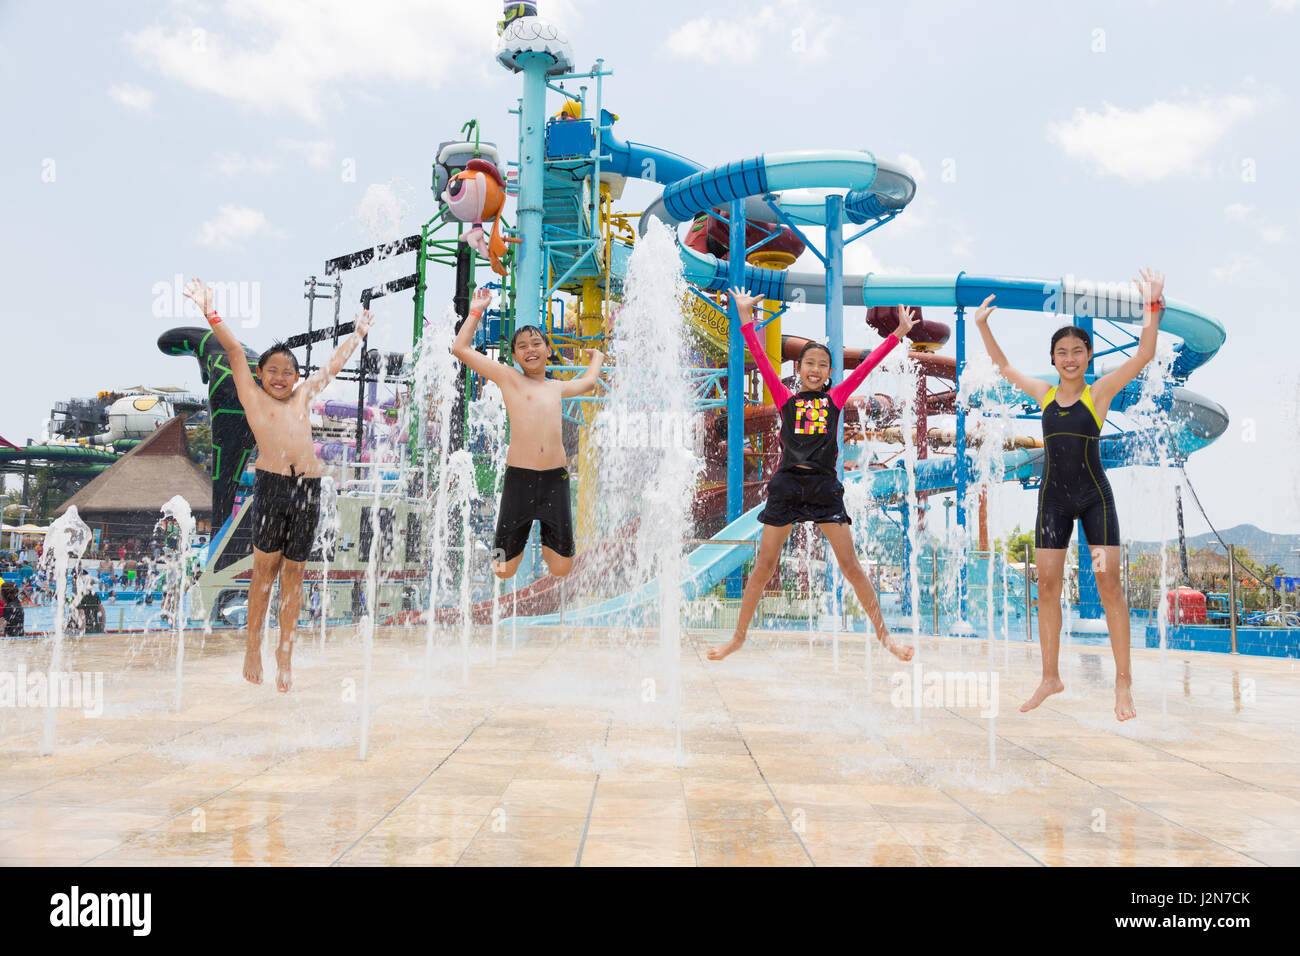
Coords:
pixel 1124 709
pixel 283 659
pixel 719 651
pixel 1049 686
pixel 253 665
pixel 902 651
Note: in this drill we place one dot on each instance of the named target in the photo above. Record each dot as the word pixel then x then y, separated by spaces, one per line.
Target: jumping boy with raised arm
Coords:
pixel 536 486
pixel 286 502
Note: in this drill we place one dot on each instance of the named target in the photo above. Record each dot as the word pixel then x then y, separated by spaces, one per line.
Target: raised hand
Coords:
pixel 200 295
pixel 482 298
pixel 744 299
pixel 984 311
pixel 906 319
pixel 1151 284
pixel 362 323
pixel 595 357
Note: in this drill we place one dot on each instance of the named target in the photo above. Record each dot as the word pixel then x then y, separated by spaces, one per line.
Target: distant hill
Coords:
pixel 1264 546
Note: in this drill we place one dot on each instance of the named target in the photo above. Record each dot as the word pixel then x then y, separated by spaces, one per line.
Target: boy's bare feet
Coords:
pixel 1049 686
pixel 719 651
pixel 283 659
pixel 253 664
pixel 1124 709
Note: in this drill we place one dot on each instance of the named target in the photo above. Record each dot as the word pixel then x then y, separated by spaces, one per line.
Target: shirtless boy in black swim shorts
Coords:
pixel 286 499
pixel 536 486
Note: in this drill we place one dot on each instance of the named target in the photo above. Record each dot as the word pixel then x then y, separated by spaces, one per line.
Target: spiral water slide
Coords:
pixel 875 188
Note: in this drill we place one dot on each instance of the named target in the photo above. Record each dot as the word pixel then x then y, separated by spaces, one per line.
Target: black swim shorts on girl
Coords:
pixel 528 496
pixel 1074 485
pixel 803 495
pixel 285 511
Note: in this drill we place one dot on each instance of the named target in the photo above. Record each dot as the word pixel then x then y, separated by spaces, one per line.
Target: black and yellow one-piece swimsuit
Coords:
pixel 1074 484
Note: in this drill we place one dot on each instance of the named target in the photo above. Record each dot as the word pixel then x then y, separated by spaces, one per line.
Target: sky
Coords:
pixel 248 141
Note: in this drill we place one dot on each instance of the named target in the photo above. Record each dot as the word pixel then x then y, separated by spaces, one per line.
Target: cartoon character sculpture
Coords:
pixel 476 195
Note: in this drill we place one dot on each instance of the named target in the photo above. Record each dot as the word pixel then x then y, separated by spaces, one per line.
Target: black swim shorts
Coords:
pixel 285 511
pixel 528 496
pixel 804 495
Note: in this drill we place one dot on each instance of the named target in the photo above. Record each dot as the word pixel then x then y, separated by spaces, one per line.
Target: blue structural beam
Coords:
pixel 835 333
pixel 735 387
pixel 528 288
pixel 963 463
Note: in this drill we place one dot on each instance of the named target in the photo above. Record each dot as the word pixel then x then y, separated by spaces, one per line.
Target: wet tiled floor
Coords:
pixel 564 750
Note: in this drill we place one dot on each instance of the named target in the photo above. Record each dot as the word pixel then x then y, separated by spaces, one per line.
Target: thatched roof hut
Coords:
pixel 125 500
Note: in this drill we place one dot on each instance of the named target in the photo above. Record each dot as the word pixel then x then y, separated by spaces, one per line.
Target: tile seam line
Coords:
pixel 460 856
pixel 591 806
pixel 757 766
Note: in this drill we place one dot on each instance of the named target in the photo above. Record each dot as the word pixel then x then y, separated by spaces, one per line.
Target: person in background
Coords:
pixel 12 610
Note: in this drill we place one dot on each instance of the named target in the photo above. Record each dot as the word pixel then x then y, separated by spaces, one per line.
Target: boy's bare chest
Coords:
pixel 283 419
pixel 534 400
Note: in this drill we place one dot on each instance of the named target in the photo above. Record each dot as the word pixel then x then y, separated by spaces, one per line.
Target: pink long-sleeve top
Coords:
pixel 810 423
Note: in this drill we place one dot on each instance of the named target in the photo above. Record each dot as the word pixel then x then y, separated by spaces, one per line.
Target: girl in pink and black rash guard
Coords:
pixel 805 486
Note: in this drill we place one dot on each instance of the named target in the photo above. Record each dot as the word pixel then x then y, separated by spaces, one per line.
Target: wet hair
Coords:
pixel 826 386
pixel 520 330
pixel 9 592
pixel 1070 332
pixel 277 348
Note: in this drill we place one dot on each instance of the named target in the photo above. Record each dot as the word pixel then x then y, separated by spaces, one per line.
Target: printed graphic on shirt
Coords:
pixel 810 416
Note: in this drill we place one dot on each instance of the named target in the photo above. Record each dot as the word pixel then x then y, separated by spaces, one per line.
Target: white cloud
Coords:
pixel 231 225
pixel 1151 143
pixel 236 164
pixel 1245 213
pixel 962 244
pixel 296 55
pixel 704 37
pixel 317 152
pixel 132 97
pixel 801 29
pixel 1236 267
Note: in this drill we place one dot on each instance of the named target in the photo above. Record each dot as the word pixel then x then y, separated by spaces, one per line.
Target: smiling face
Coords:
pixel 814 369
pixel 531 351
pixel 1070 357
pixel 279 374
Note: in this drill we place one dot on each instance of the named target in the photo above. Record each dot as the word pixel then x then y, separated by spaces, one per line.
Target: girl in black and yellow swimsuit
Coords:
pixel 1074 486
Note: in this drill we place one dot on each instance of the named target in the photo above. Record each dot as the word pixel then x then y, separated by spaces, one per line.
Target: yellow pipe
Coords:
pixel 780 261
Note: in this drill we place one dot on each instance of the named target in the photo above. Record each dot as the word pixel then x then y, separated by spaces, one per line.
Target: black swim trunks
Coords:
pixel 285 511
pixel 801 495
pixel 1074 484
pixel 528 496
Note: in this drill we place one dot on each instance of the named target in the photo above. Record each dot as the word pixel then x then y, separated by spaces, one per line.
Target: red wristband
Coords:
pixel 1157 305
pixel 213 318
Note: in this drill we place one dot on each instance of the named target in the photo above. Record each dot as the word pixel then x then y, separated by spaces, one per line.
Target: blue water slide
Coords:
pixel 874 189
pixel 708 564
pixel 639 161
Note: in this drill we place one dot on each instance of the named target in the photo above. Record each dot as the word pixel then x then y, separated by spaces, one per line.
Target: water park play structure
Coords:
pixel 86 435
pixel 563 264
pixel 572 721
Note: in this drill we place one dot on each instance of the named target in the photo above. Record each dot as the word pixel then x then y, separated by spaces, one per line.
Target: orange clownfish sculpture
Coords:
pixel 476 195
